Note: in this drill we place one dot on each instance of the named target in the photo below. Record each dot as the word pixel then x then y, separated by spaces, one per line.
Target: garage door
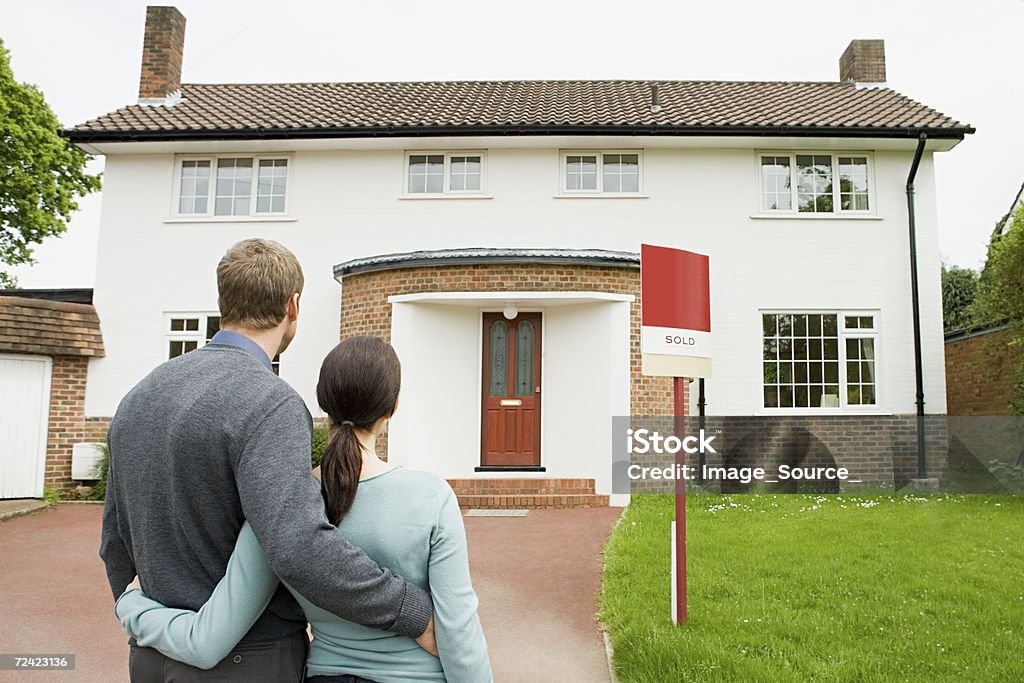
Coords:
pixel 24 414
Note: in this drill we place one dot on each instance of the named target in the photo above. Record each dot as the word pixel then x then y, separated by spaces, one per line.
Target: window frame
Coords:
pixel 198 336
pixel 791 154
pixel 564 154
pixel 211 200
pixel 874 333
pixel 446 190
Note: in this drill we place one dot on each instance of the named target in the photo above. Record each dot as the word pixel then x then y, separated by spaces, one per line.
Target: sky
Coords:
pixel 963 58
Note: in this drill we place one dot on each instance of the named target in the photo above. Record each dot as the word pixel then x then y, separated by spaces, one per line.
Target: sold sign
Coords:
pixel 675 312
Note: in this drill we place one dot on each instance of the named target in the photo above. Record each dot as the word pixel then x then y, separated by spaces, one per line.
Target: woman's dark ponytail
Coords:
pixel 359 384
pixel 339 472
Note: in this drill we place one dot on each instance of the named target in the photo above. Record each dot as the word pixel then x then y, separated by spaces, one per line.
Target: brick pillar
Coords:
pixel 67 418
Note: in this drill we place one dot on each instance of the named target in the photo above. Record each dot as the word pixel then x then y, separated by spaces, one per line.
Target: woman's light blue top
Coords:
pixel 407 521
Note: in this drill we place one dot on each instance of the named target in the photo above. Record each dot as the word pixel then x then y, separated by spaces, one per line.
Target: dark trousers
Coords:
pixel 269 661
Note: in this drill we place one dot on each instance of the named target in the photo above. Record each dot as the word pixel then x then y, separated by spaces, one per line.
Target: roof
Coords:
pixel 479 255
pixel 75 296
pixel 452 108
pixel 50 328
pixel 976 330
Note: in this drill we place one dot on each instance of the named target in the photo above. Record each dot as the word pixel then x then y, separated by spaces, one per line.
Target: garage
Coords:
pixel 46 346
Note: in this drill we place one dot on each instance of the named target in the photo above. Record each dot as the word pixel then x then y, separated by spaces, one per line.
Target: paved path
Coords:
pixel 54 597
pixel 537 577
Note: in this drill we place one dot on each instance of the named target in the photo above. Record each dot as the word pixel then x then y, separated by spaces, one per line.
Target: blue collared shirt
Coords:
pixel 229 338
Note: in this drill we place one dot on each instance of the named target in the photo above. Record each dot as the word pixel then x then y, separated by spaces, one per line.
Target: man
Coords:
pixel 213 438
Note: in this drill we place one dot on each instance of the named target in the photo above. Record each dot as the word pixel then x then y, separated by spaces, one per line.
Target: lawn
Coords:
pixel 824 588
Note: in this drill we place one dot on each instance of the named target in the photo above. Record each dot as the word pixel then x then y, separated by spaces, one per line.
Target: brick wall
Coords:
pixel 980 371
pixel 365 309
pixel 68 424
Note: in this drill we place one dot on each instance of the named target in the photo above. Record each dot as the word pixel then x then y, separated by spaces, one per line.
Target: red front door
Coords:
pixel 511 391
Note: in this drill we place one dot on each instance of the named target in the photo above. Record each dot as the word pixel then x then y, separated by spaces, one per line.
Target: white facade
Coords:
pixel 346 199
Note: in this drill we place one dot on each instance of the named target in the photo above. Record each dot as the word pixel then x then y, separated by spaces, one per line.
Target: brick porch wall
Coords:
pixel 365 309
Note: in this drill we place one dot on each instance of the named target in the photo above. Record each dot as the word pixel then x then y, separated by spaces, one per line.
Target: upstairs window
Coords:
pixel 444 173
pixel 188 331
pixel 815 183
pixel 601 173
pixel 232 186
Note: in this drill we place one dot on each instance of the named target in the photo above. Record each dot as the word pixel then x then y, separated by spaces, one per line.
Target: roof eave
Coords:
pixel 80 136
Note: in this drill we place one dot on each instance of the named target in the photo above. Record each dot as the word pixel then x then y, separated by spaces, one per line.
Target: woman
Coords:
pixel 405 520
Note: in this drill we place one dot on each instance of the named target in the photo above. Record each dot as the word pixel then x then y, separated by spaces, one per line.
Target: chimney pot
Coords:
pixel 162 48
pixel 863 62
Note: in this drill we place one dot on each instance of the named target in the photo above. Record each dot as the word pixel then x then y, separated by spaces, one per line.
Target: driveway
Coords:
pixel 537 578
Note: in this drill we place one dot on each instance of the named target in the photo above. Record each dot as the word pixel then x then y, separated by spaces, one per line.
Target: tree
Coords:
pixel 41 173
pixel 959 286
pixel 1001 294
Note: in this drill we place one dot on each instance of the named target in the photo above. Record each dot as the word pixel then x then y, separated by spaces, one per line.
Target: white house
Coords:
pixel 490 230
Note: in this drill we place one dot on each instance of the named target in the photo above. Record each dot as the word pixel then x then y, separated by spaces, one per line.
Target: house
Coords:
pixel 491 231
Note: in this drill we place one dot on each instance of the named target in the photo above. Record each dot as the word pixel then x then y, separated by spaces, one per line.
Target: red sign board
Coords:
pixel 676 289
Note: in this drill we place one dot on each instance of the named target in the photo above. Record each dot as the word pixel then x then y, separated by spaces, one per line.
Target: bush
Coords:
pixel 320 438
pixel 99 490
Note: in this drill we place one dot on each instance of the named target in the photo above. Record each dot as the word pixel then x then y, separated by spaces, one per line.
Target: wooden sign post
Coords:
pixel 675 341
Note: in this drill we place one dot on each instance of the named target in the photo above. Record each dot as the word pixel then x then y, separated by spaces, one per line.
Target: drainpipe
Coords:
pixel 701 403
pixel 922 471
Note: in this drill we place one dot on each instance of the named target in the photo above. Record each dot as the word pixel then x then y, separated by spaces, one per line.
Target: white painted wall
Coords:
pixel 585 381
pixel 346 203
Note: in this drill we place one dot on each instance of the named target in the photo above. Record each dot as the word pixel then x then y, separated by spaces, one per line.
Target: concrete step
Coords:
pixel 531 501
pixel 484 486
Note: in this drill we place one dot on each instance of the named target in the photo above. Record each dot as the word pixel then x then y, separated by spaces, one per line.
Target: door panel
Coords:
pixel 511 396
pixel 24 418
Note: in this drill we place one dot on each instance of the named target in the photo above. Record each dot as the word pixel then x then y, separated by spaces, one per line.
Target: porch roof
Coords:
pixel 482 255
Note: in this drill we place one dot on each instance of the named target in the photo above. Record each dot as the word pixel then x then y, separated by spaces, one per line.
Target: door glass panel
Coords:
pixel 524 359
pixel 498 361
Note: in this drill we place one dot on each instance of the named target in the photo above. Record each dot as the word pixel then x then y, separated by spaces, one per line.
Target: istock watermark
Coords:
pixel 643 441
pixel 826 453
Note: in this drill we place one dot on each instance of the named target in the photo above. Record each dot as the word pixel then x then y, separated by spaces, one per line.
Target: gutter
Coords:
pixel 84 136
pixel 922 468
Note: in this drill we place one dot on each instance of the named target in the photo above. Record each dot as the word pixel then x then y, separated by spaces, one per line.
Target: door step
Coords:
pixel 532 502
pixel 526 493
pixel 512 486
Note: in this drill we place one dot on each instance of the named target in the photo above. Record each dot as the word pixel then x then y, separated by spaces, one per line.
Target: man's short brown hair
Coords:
pixel 255 280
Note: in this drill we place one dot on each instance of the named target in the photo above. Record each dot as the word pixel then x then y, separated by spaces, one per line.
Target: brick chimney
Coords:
pixel 863 62
pixel 162 50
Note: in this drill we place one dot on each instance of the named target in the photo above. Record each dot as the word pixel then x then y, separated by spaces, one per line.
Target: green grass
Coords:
pixel 837 588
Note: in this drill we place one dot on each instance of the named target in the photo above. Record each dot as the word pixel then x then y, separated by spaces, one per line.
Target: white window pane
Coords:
pixel 630 182
pixel 222 206
pixel 270 185
pixel 277 204
pixel 435 182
